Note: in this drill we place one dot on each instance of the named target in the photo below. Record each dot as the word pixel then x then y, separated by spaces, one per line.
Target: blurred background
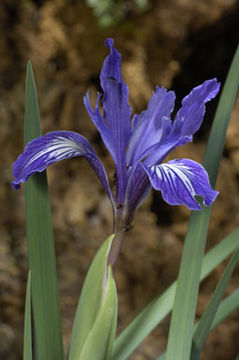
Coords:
pixel 173 43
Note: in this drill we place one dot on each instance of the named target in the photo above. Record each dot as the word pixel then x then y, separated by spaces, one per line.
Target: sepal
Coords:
pixel 180 181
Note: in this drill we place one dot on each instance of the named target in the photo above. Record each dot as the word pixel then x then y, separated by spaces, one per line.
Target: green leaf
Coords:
pixel 95 321
pixel 204 325
pixel 41 252
pixel 27 348
pixel 226 307
pixel 221 120
pixel 99 343
pixel 187 287
pixel 181 326
pixel 161 306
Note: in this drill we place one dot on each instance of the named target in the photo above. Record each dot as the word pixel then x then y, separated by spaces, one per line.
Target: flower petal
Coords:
pixel 161 150
pixel 112 66
pixel 190 116
pixel 151 126
pixel 115 129
pixel 115 100
pixel 116 113
pixel 101 126
pixel 53 147
pixel 187 121
pixel 180 180
pixel 137 190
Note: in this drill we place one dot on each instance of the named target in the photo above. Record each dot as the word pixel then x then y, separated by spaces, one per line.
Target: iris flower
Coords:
pixel 138 147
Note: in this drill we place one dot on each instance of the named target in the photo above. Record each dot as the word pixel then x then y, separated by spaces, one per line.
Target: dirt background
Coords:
pixel 175 43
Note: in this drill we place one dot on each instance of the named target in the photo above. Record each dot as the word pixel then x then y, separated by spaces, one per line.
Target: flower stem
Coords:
pixel 116 247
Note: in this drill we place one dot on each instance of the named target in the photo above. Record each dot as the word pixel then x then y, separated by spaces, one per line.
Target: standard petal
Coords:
pixel 180 180
pixel 50 148
pixel 112 66
pixel 115 129
pixel 190 116
pixel 116 113
pixel 115 99
pixel 161 150
pixel 151 126
pixel 101 126
pixel 137 190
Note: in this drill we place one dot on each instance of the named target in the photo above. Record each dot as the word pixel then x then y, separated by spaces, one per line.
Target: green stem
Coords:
pixel 116 247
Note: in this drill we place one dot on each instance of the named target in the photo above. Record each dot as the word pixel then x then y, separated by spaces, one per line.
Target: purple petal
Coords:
pixel 101 126
pixel 115 100
pixel 161 150
pixel 117 116
pixel 137 190
pixel 190 116
pixel 115 129
pixel 53 147
pixel 180 180
pixel 151 126
pixel 116 113
pixel 112 65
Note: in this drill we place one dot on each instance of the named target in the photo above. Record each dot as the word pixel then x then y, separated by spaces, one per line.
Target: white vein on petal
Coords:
pixel 174 172
pixel 57 150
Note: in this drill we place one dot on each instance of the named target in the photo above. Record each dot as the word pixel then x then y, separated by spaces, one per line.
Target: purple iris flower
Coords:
pixel 138 148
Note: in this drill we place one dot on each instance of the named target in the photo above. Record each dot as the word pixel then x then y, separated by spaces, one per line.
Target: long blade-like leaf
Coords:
pixel 27 348
pixel 160 307
pixel 95 320
pixel 41 252
pixel 181 327
pixel 226 307
pixel 99 343
pixel 204 326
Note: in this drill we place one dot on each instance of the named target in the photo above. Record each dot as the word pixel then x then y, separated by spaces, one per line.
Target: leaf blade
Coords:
pixel 225 308
pixel 27 345
pixel 181 326
pixel 41 252
pixel 204 325
pixel 99 345
pixel 96 312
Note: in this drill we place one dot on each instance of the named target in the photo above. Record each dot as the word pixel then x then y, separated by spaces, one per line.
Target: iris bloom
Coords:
pixel 138 148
